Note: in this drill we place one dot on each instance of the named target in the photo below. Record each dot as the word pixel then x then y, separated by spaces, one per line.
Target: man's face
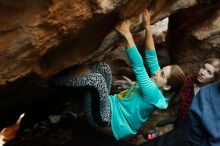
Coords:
pixel 160 78
pixel 206 74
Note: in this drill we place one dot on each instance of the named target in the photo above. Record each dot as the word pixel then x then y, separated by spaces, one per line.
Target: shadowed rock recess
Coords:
pixel 40 39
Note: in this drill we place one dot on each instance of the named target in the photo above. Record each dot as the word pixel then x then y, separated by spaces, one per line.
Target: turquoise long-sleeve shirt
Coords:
pixel 131 108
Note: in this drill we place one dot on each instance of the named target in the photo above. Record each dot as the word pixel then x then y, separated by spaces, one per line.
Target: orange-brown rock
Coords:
pixel 39 39
pixel 194 35
pixel 44 37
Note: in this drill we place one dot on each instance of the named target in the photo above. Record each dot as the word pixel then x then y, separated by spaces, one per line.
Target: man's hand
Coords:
pixel 123 84
pixel 128 80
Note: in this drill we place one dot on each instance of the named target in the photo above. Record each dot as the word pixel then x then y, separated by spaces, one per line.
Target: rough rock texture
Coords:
pixel 194 40
pixel 32 29
pixel 39 39
pixel 35 33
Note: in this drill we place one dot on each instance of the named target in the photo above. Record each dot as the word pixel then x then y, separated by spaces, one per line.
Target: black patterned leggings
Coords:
pixel 98 84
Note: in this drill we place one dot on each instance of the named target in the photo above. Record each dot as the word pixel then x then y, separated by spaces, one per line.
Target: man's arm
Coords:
pixel 196 132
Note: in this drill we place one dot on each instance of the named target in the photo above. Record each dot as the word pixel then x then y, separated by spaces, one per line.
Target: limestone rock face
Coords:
pixel 29 29
pixel 34 33
pixel 39 39
pixel 194 40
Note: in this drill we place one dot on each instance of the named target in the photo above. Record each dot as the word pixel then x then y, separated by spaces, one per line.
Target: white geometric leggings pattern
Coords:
pixel 96 102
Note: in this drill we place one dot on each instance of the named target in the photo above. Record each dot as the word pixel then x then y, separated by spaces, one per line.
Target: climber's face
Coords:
pixel 160 78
